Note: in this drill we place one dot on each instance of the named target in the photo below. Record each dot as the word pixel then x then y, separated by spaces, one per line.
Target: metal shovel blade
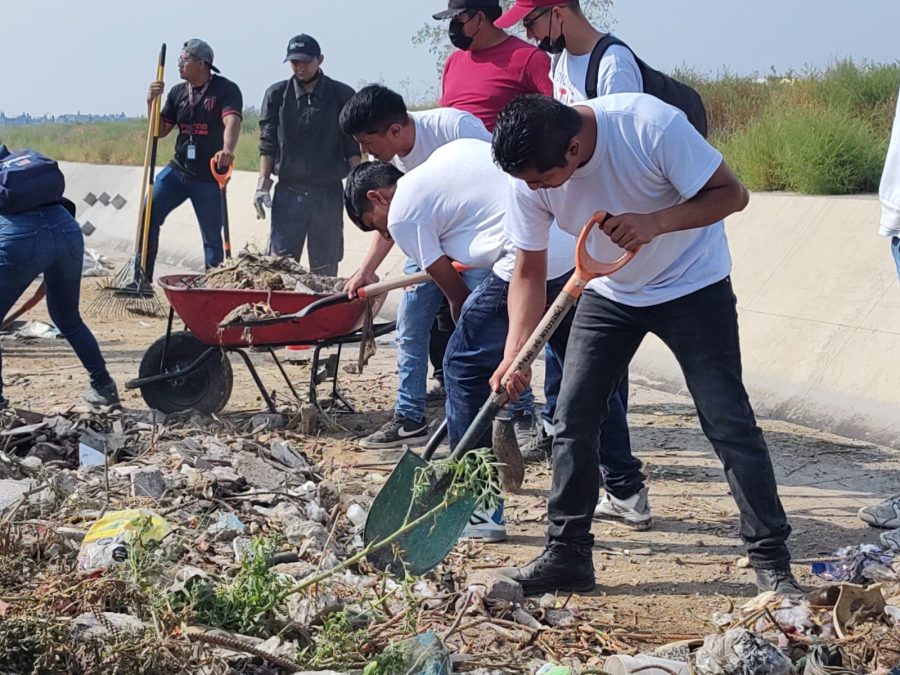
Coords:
pixel 427 544
pixel 506 450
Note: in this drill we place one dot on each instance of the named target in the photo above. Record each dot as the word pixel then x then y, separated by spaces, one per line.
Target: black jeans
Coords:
pixel 701 329
pixel 309 214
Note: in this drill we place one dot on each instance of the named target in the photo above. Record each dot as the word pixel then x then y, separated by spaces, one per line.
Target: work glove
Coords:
pixel 262 198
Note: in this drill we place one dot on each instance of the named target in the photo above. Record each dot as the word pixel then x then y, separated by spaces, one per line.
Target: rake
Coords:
pixel 130 290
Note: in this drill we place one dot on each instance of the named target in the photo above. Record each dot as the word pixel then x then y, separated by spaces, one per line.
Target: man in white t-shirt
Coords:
pixel 889 192
pixel 453 208
pixel 563 30
pixel 667 191
pixel 379 121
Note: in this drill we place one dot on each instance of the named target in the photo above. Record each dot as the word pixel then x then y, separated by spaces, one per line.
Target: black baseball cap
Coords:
pixel 457 7
pixel 201 50
pixel 303 48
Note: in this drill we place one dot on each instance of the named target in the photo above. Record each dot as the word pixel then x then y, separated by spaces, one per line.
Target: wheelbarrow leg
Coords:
pixel 162 360
pixel 256 378
pixel 285 376
pixel 336 394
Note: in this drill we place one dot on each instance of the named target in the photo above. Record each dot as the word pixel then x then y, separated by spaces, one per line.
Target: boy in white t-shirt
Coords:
pixel 889 192
pixel 378 119
pixel 563 30
pixel 453 208
pixel 667 190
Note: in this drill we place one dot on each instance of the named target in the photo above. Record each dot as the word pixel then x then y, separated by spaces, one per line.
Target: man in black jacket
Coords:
pixel 301 141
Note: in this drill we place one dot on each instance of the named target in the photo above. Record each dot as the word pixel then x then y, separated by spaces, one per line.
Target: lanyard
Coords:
pixel 192 103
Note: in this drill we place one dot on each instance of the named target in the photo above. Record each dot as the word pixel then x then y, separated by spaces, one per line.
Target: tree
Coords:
pixel 433 35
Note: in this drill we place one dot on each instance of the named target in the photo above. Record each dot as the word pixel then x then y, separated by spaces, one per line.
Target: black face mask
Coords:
pixel 457 38
pixel 556 46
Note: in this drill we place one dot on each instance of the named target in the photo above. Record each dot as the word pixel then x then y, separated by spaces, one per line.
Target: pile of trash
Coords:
pixel 268 273
pixel 192 544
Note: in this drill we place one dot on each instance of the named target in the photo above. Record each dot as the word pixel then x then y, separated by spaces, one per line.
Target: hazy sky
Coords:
pixel 98 55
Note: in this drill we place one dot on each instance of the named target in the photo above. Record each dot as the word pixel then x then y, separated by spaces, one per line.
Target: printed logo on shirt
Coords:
pixel 194 129
pixel 209 103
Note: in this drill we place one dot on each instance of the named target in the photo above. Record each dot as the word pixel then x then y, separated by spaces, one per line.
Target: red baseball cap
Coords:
pixel 521 9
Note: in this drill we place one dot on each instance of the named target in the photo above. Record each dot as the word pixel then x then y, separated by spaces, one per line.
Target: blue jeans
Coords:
pixel 418 308
pixel 895 250
pixel 476 349
pixel 701 329
pixel 48 240
pixel 313 215
pixel 170 190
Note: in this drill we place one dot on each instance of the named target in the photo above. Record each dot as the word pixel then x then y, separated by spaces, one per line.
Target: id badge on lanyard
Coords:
pixel 192 147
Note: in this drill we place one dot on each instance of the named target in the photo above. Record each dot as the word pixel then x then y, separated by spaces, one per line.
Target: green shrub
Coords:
pixel 809 150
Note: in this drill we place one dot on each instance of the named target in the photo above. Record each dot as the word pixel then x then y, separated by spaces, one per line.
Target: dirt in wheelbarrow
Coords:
pixel 270 273
pixel 655 587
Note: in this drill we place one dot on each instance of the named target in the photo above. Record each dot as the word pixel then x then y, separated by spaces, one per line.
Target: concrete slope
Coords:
pixel 819 305
pixel 818 296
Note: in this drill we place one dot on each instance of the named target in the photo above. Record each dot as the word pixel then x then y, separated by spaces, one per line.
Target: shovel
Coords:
pixel 222 179
pixel 427 544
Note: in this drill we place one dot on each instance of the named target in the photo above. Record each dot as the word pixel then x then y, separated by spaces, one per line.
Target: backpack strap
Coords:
pixel 604 43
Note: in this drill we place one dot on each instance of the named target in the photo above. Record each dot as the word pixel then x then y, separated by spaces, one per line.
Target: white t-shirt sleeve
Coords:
pixel 420 243
pixel 684 157
pixel 889 189
pixel 470 126
pixel 619 73
pixel 528 217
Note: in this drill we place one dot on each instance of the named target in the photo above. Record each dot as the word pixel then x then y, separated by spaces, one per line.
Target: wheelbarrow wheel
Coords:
pixel 206 389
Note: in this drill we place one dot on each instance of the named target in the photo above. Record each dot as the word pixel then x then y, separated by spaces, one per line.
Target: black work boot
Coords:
pixel 563 567
pixel 778 579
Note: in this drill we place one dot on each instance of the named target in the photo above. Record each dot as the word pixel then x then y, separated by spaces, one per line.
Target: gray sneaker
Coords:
pixel 885 514
pixel 526 428
pixel 398 432
pixel 634 511
pixel 103 396
pixel 538 449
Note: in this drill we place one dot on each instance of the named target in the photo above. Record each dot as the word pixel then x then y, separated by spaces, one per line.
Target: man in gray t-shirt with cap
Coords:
pixel 300 141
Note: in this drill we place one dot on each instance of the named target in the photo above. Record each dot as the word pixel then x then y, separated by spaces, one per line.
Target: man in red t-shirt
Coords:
pixel 489 68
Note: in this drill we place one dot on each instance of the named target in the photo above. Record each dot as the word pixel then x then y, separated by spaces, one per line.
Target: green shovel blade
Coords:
pixel 426 545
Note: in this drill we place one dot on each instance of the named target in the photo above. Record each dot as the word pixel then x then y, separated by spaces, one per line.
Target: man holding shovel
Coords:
pixel 378 119
pixel 667 190
pixel 453 208
pixel 207 110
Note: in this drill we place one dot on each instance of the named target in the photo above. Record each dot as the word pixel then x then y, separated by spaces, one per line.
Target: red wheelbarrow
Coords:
pixel 190 369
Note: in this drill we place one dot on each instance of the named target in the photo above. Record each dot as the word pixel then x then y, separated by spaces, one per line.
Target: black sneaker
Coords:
pixel 537 450
pixel 103 396
pixel 398 432
pixel 562 567
pixel 778 579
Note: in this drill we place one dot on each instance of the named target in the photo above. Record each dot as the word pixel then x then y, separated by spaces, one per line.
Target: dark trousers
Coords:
pixel 309 214
pixel 170 190
pixel 49 241
pixel 701 329
pixel 476 349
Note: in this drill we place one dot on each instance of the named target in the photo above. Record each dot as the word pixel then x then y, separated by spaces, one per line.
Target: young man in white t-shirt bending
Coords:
pixel 379 121
pixel 453 208
pixel 667 190
pixel 563 30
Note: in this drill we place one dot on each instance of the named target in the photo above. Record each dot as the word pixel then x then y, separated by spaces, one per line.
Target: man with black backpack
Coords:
pixel 589 63
pixel 301 141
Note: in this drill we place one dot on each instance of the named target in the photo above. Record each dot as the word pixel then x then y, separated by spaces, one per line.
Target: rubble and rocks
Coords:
pixel 271 273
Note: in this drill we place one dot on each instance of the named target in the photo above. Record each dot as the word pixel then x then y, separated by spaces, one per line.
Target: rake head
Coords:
pixel 128 292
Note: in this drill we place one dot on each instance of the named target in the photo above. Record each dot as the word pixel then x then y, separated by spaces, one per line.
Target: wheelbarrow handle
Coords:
pixel 586 269
pixel 372 290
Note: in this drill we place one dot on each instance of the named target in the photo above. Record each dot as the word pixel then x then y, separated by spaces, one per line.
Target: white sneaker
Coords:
pixel 885 514
pixel 487 527
pixel 634 511
pixel 891 540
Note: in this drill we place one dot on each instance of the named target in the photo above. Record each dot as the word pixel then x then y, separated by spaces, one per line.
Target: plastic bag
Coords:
pixel 740 652
pixel 424 654
pixel 108 540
